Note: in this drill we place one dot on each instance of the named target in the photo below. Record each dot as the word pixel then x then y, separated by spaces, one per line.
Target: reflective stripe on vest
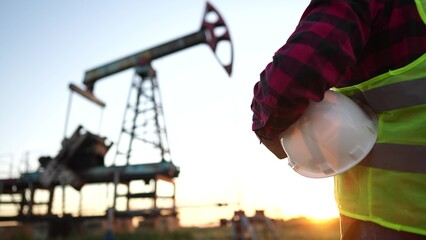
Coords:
pixel 387 156
pixel 398 95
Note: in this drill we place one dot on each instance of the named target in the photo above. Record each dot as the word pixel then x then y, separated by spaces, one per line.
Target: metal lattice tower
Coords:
pixel 143 125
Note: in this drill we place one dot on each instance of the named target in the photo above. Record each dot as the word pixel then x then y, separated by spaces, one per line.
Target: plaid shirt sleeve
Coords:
pixel 316 57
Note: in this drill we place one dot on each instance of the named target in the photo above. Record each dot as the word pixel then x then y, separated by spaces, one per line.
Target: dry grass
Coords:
pixel 294 229
pixel 302 229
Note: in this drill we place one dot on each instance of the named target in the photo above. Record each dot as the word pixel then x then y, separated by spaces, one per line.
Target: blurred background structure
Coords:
pixel 80 161
pixel 46 50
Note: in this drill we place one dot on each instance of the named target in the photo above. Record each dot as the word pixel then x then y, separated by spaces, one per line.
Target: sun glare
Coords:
pixel 310 198
pixel 324 214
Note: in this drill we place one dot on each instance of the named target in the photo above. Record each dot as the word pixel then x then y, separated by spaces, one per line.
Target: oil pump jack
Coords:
pixel 81 159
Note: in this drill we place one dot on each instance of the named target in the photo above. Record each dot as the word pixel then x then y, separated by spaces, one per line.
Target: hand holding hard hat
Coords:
pixel 330 137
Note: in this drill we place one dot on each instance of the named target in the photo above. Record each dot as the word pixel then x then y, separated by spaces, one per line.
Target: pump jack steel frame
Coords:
pixel 212 32
pixel 164 170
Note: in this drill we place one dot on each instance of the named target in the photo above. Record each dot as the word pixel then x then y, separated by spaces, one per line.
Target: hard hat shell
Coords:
pixel 331 137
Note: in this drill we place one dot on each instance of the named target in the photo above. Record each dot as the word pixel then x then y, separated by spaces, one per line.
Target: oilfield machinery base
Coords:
pixel 80 161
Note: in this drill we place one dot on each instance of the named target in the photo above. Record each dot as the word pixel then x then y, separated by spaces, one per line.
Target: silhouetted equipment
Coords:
pixel 82 151
pixel 253 228
pixel 81 158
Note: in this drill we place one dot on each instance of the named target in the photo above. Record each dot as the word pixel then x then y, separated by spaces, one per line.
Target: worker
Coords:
pixel 375 53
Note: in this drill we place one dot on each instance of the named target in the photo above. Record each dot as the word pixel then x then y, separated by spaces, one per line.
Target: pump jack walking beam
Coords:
pixel 207 34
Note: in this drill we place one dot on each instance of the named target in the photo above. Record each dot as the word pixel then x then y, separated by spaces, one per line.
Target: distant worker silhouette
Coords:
pixel 375 53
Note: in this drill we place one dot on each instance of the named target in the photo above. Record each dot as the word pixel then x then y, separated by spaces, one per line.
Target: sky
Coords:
pixel 46 45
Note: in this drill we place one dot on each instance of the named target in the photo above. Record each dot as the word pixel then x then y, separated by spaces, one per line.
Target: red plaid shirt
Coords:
pixel 336 43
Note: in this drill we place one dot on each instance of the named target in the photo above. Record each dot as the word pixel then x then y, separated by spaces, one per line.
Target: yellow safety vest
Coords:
pixel 389 186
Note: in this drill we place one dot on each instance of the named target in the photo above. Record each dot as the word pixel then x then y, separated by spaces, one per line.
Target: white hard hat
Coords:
pixel 330 137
